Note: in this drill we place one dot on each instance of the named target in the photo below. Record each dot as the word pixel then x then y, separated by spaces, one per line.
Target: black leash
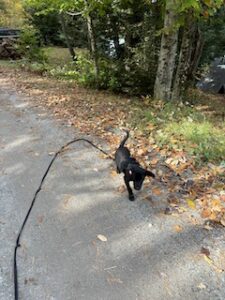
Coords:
pixel 15 269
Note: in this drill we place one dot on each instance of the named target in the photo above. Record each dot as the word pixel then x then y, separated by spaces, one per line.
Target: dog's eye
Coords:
pixel 130 172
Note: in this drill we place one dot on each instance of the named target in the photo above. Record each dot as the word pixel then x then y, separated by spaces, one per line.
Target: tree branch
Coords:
pixel 74 13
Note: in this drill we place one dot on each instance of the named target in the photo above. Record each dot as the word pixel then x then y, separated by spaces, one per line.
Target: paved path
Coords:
pixel 61 257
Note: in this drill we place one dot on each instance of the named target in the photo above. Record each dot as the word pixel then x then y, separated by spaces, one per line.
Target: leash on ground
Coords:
pixel 15 268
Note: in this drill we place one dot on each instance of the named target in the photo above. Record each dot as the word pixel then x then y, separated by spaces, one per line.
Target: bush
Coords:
pixel 83 72
pixel 34 67
pixel 29 45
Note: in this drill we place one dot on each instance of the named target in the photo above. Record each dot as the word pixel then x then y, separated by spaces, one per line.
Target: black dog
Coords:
pixel 130 167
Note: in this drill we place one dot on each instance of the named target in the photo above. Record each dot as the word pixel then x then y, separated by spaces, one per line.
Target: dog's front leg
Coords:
pixel 130 192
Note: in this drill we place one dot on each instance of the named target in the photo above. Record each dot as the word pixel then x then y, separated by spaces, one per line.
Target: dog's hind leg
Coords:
pixel 130 192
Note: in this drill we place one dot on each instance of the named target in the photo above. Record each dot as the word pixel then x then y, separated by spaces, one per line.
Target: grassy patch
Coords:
pixel 202 140
pixel 57 56
pixel 182 126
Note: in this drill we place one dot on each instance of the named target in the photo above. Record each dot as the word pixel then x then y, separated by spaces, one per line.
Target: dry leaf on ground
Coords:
pixel 102 238
pixel 178 228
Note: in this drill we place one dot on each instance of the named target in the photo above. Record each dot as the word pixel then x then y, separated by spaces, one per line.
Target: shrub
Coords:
pixel 83 72
pixel 29 45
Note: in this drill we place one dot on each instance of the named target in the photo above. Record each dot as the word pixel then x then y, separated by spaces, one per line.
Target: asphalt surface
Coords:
pixel 215 78
pixel 61 257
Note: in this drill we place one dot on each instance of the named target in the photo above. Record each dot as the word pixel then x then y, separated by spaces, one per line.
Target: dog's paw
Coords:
pixel 131 197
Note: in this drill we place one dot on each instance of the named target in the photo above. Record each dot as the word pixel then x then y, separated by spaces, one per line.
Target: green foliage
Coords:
pixel 34 67
pixel 133 27
pixel 11 13
pixel 82 71
pixel 29 45
pixel 159 113
pixel 47 24
pixel 214 37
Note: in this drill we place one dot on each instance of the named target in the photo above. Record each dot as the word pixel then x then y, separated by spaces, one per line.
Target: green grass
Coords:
pixel 58 62
pixel 9 63
pixel 182 126
pixel 57 56
pixel 202 140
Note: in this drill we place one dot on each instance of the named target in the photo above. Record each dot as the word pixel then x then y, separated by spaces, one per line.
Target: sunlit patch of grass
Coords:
pixel 59 56
pixel 182 126
pixel 201 139
pixel 159 113
pixel 8 63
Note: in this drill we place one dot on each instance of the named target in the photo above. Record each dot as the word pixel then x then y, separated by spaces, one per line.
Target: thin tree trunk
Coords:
pixel 167 55
pixel 190 53
pixel 197 53
pixel 64 29
pixel 92 41
pixel 184 62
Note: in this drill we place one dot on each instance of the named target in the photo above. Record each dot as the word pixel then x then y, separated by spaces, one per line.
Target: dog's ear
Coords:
pixel 149 173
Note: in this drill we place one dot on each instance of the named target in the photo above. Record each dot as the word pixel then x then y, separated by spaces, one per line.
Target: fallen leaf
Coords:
pixel 156 191
pixel 121 189
pixel 208 259
pixel 102 238
pixel 154 161
pixel 191 203
pixel 201 286
pixel 208 227
pixel 173 200
pixel 205 251
pixel 222 221
pixel 148 198
pixel 68 200
pixel 113 173
pixel 40 219
pixel 51 153
pixel 102 155
pixel 178 228
pixel 206 213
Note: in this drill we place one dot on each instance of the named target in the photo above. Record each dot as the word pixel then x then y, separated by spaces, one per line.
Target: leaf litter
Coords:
pixel 101 114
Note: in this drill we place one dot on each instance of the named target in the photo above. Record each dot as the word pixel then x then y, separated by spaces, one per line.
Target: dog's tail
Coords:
pixel 125 139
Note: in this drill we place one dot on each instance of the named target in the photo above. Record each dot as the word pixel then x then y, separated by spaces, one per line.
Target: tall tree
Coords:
pixel 92 40
pixel 64 30
pixel 167 55
pixel 180 14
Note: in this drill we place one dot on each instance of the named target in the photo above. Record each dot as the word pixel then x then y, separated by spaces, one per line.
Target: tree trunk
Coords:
pixel 197 53
pixel 190 53
pixel 92 41
pixel 184 62
pixel 64 30
pixel 167 55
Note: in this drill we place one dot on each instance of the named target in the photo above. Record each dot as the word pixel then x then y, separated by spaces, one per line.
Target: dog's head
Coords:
pixel 137 174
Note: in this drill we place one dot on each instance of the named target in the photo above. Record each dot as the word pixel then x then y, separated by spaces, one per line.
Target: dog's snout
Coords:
pixel 137 186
